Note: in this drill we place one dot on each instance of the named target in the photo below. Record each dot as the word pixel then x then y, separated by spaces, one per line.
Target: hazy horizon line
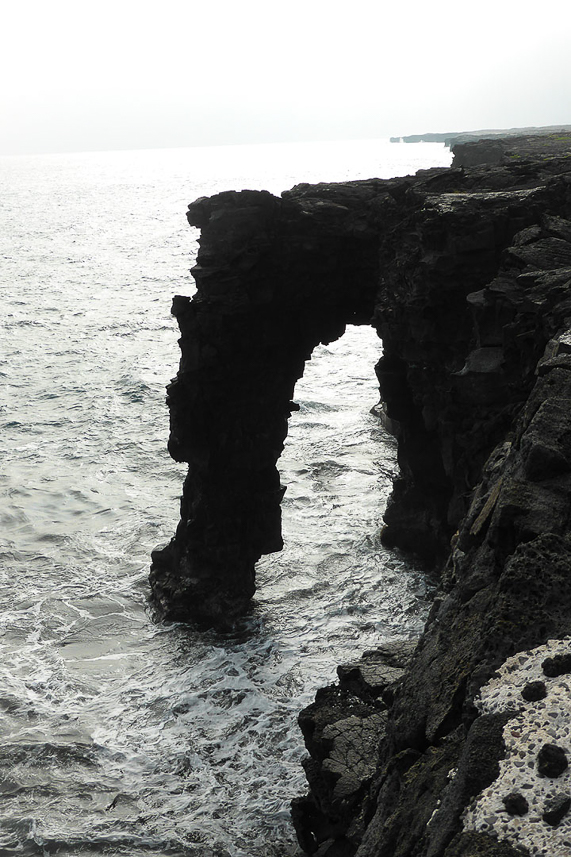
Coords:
pixel 282 142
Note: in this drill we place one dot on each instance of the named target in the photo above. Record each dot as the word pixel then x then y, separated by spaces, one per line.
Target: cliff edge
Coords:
pixel 461 747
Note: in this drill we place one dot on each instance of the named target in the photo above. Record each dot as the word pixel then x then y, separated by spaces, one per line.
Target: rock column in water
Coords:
pixel 274 278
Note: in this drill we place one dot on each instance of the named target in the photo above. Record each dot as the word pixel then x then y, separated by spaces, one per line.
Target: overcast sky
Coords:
pixel 81 75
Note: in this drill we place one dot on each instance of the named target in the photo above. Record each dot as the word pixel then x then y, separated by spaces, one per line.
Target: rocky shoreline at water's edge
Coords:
pixel 442 784
pixel 466 274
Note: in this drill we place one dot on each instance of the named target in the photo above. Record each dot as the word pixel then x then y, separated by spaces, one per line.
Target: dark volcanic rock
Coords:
pixel 534 691
pixel 515 803
pixel 551 761
pixel 275 278
pixel 559 665
pixel 342 730
pixel 376 674
pixel 556 809
pixel 480 845
pixel 498 148
pixel 492 424
pixel 448 272
pixel 466 276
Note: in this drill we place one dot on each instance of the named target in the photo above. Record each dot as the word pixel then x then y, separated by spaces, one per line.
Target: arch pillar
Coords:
pixel 268 293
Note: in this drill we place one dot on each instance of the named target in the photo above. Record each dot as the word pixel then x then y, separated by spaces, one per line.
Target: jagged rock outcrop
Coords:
pixel 341 731
pixel 275 277
pixel 466 275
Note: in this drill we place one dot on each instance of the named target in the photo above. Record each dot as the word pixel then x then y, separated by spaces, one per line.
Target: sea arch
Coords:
pixel 275 277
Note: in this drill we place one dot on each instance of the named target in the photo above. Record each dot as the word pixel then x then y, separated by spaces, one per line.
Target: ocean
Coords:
pixel 121 735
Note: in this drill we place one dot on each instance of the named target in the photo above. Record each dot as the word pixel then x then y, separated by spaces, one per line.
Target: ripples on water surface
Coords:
pixel 120 736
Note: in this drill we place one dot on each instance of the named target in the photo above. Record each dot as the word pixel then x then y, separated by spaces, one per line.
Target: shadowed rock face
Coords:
pixel 466 275
pixel 275 278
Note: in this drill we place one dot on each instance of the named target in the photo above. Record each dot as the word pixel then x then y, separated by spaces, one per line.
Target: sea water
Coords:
pixel 120 735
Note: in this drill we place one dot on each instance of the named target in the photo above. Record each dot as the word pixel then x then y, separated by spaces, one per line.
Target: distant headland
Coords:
pixel 451 137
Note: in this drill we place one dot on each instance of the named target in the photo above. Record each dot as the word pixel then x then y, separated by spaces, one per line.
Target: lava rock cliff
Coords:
pixel 466 275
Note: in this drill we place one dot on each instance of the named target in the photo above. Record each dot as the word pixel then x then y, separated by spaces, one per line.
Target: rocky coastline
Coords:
pixel 453 138
pixel 459 748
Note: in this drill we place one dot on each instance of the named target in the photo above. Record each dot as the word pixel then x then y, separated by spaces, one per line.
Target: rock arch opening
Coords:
pixel 270 288
pixel 333 453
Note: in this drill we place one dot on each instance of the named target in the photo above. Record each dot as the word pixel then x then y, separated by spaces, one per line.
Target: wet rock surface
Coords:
pixel 466 275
